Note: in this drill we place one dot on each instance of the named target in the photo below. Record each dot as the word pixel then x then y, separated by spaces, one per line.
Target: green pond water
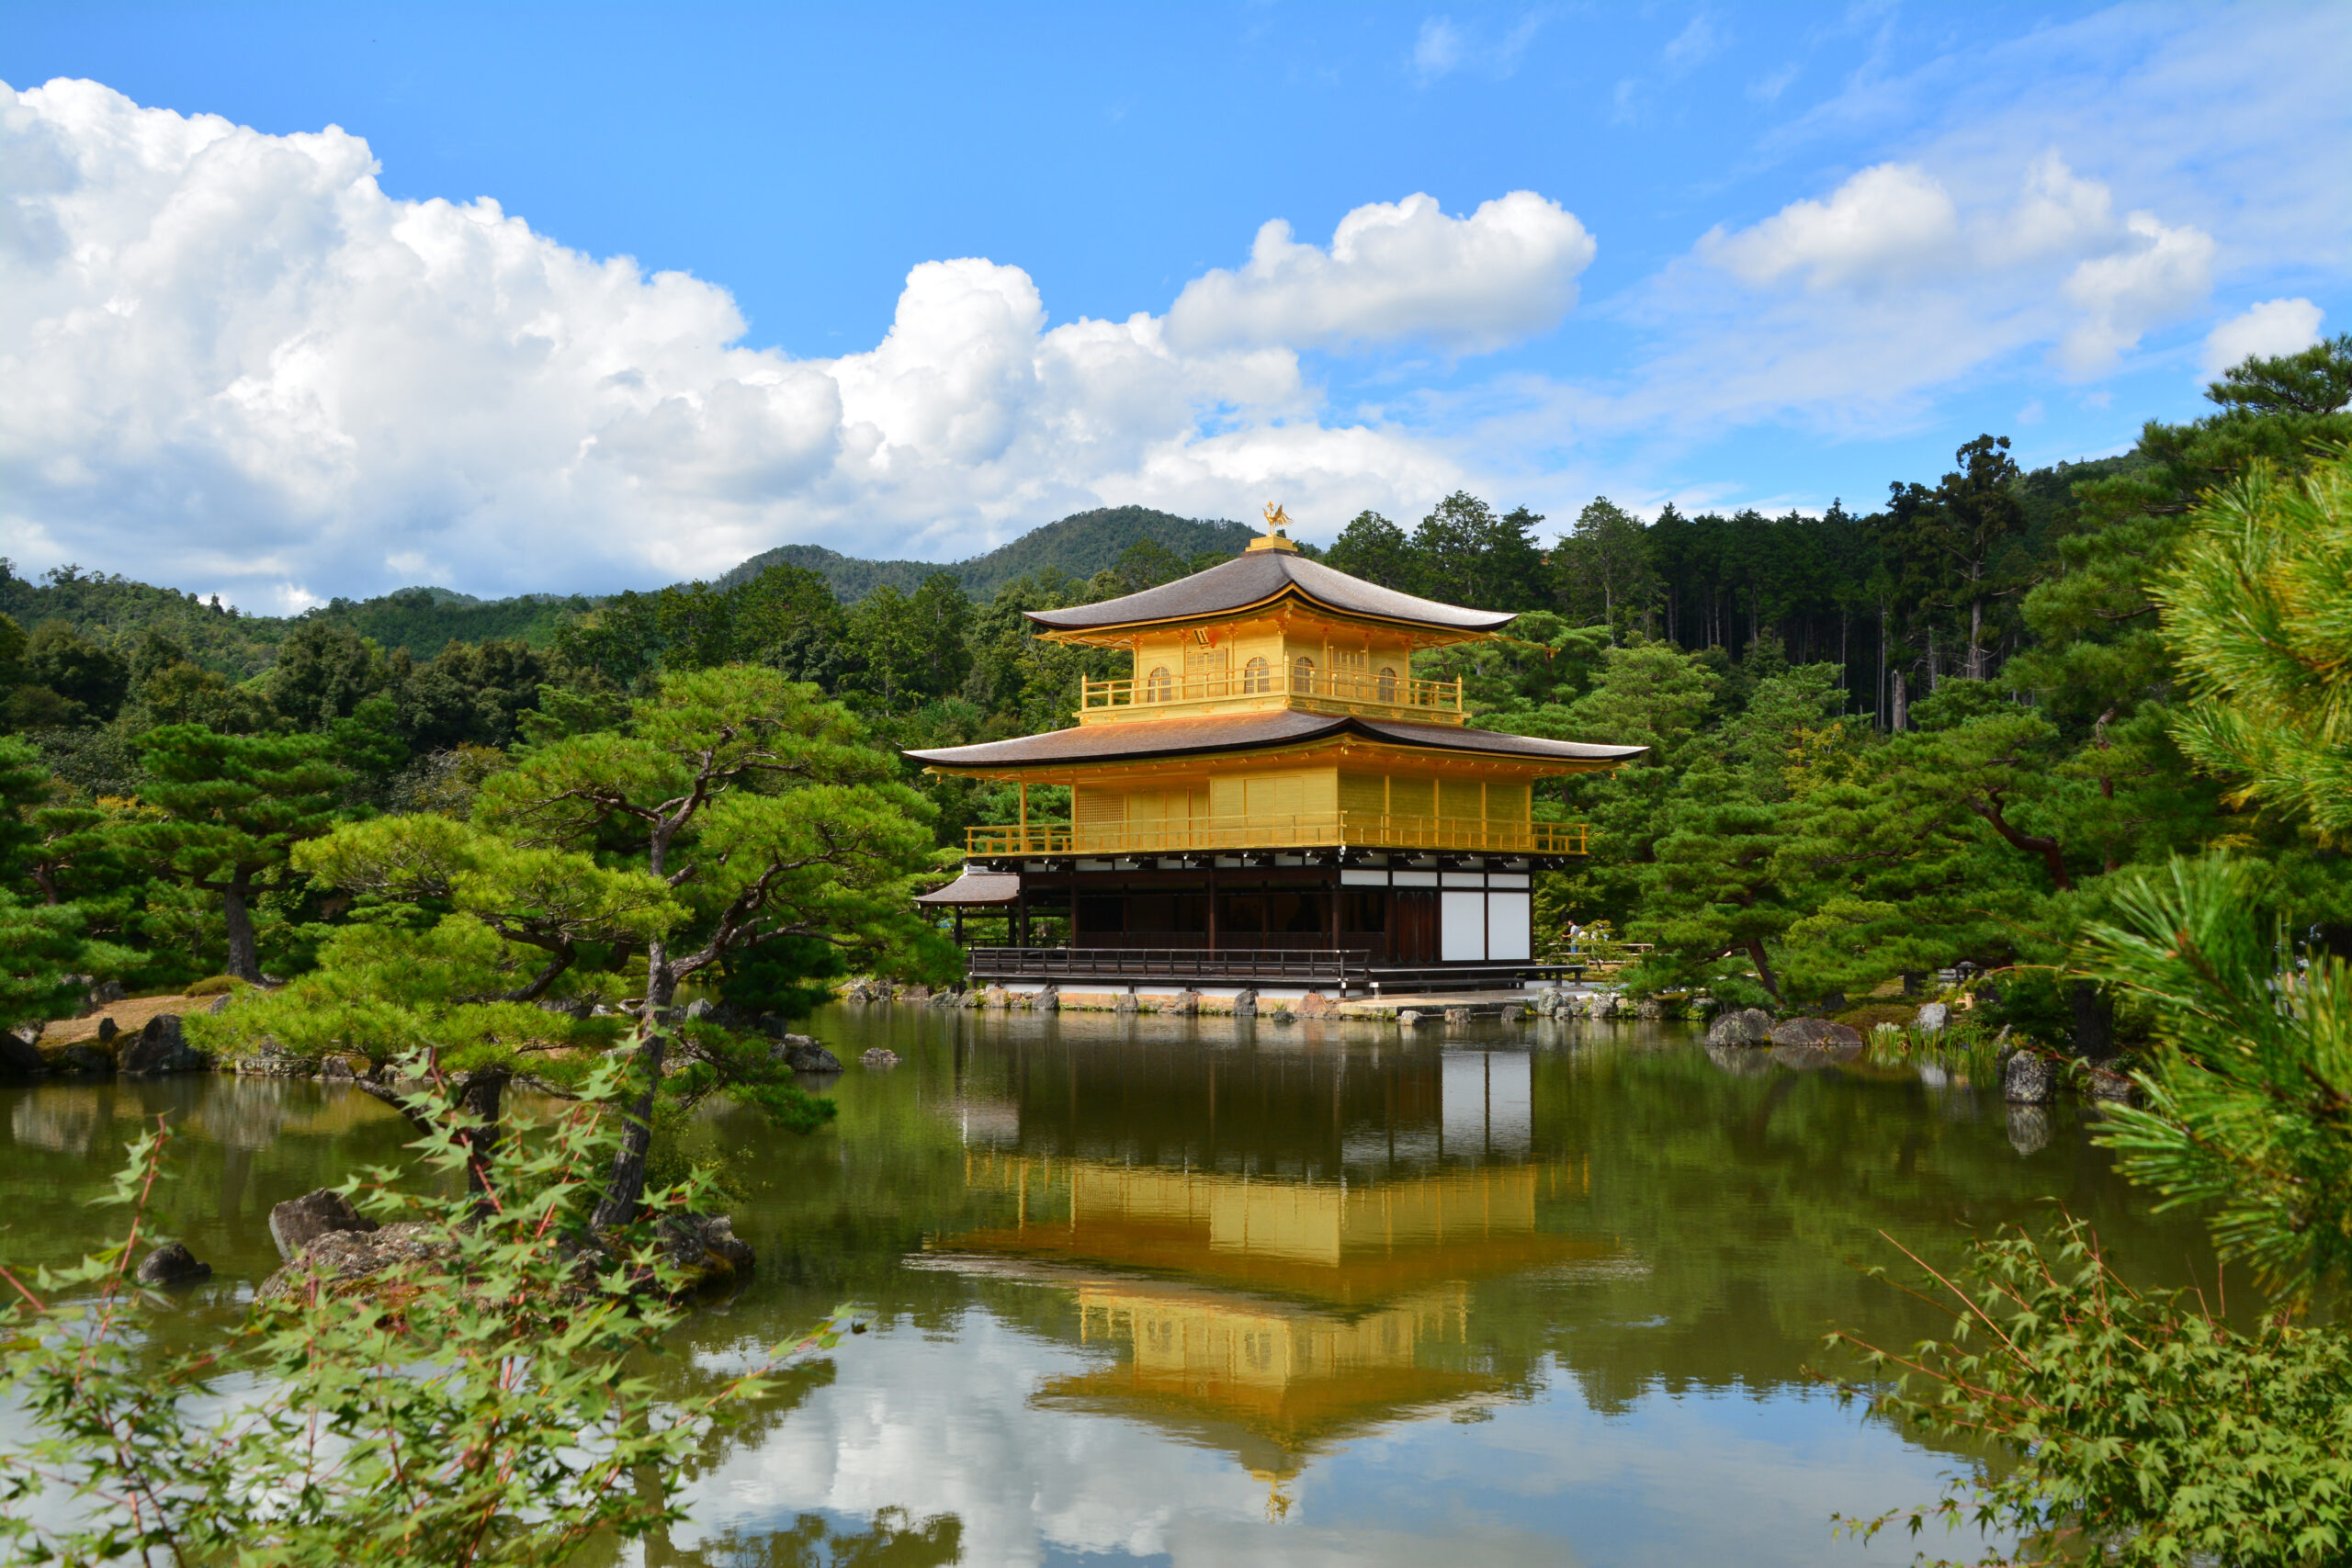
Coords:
pixel 1200 1292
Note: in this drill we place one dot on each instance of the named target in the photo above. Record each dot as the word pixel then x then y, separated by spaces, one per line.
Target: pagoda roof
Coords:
pixel 1261 577
pixel 1213 734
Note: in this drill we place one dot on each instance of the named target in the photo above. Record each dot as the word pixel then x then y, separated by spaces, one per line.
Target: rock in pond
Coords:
pixel 297 1223
pixel 173 1264
pixel 705 1249
pixel 2108 1083
pixel 1932 1019
pixel 19 1057
pixel 803 1055
pixel 161 1047
pixel 1749 1026
pixel 2025 1079
pixel 1815 1032
pixel 349 1260
pixel 879 1057
pixel 1409 1019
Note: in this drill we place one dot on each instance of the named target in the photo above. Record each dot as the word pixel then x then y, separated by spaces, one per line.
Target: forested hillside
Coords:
pixel 1885 742
pixel 1079 545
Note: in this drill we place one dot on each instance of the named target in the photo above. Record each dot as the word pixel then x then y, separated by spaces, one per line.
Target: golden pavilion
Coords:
pixel 1270 797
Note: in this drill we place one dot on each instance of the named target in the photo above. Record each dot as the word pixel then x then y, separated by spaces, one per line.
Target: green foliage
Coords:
pixel 2257 612
pixel 2147 1431
pixel 485 1405
pixel 2250 1094
pixel 234 809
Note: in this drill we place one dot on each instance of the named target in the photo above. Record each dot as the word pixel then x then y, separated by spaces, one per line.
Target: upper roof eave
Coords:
pixel 1259 579
pixel 1099 745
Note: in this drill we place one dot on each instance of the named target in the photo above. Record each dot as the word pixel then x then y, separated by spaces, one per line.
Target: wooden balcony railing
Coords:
pixel 1345 829
pixel 1403 695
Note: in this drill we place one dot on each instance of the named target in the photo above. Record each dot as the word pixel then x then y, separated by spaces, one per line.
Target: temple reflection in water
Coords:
pixel 1280 1248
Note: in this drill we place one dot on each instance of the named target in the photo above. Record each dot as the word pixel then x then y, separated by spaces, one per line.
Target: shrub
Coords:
pixel 218 985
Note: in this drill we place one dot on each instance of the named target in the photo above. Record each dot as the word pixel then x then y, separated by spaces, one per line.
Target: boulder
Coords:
pixel 19 1057
pixel 107 1029
pixel 1932 1019
pixel 1815 1032
pixel 2108 1083
pixel 2028 1129
pixel 915 994
pixel 1245 1004
pixel 803 1055
pixel 1187 1004
pixel 1649 1007
pixel 705 1249
pixel 1409 1019
pixel 1749 1026
pixel 1457 1015
pixel 219 1004
pixel 1512 1012
pixel 161 1047
pixel 1126 1002
pixel 349 1260
pixel 878 1059
pixel 698 1010
pixel 998 997
pixel 1314 1004
pixel 1283 1013
pixel 2027 1080
pixel 172 1264
pixel 297 1223
pixel 1050 999
pixel 104 993
pixel 81 1058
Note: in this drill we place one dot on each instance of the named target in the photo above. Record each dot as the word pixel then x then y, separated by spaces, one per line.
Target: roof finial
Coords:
pixel 1277 522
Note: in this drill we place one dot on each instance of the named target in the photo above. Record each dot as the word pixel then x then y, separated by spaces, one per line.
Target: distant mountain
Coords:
pixel 1078 546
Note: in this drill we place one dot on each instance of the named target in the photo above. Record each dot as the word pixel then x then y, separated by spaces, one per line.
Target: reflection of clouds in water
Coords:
pixel 948 1427
pixel 951 1426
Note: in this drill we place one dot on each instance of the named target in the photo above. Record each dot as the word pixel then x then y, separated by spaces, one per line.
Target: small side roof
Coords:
pixel 1256 579
pixel 975 888
pixel 1251 732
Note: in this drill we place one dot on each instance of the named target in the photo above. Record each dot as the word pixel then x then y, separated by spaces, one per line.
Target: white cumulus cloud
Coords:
pixel 1397 271
pixel 1856 307
pixel 1884 223
pixel 2273 327
pixel 228 360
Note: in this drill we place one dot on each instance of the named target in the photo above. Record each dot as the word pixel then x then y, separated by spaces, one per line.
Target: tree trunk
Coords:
pixel 2093 1022
pixel 1975 631
pixel 480 1099
pixel 244 962
pixel 1899 711
pixel 1763 968
pixel 625 1184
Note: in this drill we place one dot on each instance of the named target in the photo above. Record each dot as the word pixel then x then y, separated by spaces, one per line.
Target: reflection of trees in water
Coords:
pixel 63 1119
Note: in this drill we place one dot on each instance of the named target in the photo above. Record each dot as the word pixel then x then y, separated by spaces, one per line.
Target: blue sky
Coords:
pixel 1766 255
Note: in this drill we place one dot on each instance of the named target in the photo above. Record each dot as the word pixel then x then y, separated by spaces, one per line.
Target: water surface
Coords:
pixel 1198 1292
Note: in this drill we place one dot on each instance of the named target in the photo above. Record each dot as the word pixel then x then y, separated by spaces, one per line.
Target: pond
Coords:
pixel 1194 1291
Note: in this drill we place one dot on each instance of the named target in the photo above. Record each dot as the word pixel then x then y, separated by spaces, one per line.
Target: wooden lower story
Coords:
pixel 1354 921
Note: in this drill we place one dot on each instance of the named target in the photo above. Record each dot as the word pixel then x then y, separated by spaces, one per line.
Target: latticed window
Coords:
pixel 1257 676
pixel 1158 686
pixel 1302 676
pixel 1206 671
pixel 1388 684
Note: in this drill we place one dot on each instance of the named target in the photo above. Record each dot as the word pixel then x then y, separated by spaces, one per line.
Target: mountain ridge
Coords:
pixel 1080 545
